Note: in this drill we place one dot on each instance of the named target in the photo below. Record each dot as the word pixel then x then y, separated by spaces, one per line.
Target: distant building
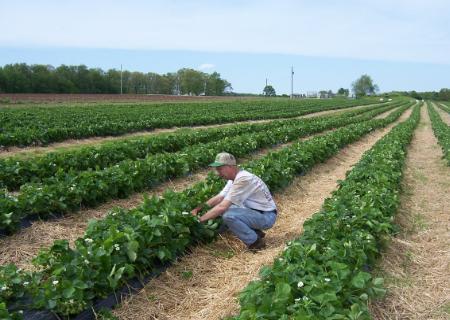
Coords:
pixel 312 94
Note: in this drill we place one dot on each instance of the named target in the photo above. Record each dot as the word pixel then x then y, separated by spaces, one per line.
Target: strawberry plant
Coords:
pixel 441 131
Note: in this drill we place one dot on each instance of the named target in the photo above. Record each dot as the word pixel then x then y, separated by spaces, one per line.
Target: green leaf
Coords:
pixel 68 292
pixel 360 280
pixel 132 247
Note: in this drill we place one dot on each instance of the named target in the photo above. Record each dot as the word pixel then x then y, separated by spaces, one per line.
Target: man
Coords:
pixel 245 203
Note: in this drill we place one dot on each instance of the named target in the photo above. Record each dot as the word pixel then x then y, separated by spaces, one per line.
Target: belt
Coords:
pixel 262 212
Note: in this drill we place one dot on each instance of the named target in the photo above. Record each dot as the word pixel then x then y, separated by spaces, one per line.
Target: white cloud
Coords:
pixel 206 66
pixel 386 30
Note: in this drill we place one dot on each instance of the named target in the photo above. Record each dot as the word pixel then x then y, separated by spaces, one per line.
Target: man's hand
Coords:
pixel 215 211
pixel 195 211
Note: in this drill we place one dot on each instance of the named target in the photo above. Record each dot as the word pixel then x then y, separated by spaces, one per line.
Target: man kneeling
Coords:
pixel 245 203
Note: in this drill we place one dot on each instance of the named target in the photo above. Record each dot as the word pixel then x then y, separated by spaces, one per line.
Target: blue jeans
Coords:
pixel 243 221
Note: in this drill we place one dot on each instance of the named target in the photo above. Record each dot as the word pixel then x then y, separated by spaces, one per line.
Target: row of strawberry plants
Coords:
pixel 444 107
pixel 127 243
pixel 17 170
pixel 323 274
pixel 42 125
pixel 90 188
pixel 441 131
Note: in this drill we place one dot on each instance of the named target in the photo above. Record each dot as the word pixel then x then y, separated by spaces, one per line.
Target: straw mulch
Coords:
pixel 416 265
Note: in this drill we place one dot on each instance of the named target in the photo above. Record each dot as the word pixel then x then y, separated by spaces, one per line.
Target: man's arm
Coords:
pixel 211 202
pixel 216 211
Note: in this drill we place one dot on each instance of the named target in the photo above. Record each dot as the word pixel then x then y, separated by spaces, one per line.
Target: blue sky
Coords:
pixel 402 45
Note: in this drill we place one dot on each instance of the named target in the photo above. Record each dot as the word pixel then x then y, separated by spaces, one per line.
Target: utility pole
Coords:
pixel 121 81
pixel 292 82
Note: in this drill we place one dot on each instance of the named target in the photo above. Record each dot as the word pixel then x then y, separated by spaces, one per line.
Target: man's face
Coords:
pixel 225 172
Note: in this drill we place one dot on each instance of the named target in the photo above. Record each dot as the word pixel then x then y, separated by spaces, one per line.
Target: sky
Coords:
pixel 402 45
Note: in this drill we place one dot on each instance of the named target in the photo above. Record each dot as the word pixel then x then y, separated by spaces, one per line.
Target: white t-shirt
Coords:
pixel 248 191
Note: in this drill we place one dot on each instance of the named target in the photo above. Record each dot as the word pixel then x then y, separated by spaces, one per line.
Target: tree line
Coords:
pixel 443 94
pixel 38 78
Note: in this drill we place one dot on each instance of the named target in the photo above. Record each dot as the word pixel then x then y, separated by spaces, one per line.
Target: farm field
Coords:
pixel 340 171
pixel 44 124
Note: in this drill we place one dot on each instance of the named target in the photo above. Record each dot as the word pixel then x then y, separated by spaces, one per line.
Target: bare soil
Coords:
pixel 205 284
pixel 416 266
pixel 18 98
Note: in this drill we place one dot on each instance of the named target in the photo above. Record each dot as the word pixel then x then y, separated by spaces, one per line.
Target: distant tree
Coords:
pixel 415 95
pixel 343 92
pixel 17 78
pixel 138 82
pixel 170 83
pixel 444 94
pixel 322 94
pixel 269 91
pixel 215 85
pixel 2 81
pixel 113 81
pixel 364 86
pixel 42 78
pixel 192 82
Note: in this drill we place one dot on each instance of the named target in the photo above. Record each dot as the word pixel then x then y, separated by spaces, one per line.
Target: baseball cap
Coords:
pixel 223 159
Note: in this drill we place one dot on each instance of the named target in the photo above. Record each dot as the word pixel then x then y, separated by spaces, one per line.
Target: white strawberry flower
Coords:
pixel 327 279
pixel 55 282
pixel 300 284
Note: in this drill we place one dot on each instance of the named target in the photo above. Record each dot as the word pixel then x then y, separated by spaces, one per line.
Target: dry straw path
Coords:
pixel 417 263
pixel 75 143
pixel 204 284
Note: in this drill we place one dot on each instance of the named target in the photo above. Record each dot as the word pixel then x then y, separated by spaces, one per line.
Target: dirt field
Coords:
pixel 66 98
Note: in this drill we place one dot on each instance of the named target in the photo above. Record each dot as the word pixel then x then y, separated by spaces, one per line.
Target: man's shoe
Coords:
pixel 260 233
pixel 257 245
